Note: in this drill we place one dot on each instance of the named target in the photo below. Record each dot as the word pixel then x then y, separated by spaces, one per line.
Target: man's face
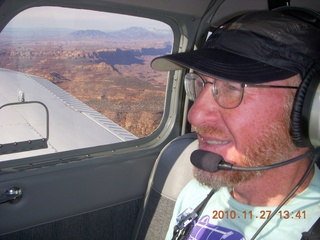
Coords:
pixel 256 133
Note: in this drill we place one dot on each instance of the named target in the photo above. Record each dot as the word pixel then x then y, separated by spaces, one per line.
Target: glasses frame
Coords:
pixel 243 86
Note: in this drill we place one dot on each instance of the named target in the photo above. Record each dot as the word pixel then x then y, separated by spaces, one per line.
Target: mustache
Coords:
pixel 214 130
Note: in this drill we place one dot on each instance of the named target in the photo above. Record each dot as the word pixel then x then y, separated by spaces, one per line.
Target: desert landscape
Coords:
pixel 110 72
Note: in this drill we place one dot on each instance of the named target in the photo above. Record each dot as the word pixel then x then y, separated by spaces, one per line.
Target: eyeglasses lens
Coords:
pixel 227 94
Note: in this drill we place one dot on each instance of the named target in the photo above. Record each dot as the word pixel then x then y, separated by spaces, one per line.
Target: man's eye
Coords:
pixel 231 87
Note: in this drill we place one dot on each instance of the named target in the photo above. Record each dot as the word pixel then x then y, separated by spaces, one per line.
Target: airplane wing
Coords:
pixel 71 123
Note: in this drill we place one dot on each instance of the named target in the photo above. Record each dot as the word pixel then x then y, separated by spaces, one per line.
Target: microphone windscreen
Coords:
pixel 205 160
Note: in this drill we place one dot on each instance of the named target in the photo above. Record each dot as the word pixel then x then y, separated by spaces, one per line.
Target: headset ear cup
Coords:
pixel 301 110
pixel 311 109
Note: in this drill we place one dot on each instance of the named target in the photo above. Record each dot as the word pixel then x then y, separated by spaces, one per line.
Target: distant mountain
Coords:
pixel 89 34
pixel 128 33
pixel 135 32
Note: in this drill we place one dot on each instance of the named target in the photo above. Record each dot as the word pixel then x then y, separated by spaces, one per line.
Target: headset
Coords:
pixel 305 115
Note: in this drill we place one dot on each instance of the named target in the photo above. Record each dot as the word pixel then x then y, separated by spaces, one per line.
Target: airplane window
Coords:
pixel 90 69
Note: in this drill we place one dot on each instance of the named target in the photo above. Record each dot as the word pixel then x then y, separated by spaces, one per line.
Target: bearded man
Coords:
pixel 243 83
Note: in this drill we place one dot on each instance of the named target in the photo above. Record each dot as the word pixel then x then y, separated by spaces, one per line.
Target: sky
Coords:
pixel 40 17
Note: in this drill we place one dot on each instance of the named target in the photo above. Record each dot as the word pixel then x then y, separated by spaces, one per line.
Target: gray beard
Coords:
pixel 273 146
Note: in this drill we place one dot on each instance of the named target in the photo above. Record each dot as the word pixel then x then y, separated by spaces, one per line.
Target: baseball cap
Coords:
pixel 256 47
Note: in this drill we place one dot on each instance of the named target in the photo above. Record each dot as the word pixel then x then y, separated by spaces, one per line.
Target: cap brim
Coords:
pixel 222 64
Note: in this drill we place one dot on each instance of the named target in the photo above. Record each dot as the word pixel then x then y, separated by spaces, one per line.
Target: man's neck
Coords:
pixel 273 186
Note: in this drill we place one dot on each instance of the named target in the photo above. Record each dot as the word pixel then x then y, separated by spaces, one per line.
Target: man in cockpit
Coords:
pixel 254 86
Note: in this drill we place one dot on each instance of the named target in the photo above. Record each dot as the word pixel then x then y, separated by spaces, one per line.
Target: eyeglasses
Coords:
pixel 227 94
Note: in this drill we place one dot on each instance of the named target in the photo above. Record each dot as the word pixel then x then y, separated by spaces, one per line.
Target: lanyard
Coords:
pixel 188 218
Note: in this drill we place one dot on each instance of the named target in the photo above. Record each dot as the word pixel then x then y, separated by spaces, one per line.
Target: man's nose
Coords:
pixel 205 108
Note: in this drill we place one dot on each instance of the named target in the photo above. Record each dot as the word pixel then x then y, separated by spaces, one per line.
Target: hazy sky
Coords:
pixel 79 19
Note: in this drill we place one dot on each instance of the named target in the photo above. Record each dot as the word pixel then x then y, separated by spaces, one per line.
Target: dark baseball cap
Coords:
pixel 257 47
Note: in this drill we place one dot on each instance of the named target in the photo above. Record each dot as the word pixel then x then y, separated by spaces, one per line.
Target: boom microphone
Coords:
pixel 213 162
